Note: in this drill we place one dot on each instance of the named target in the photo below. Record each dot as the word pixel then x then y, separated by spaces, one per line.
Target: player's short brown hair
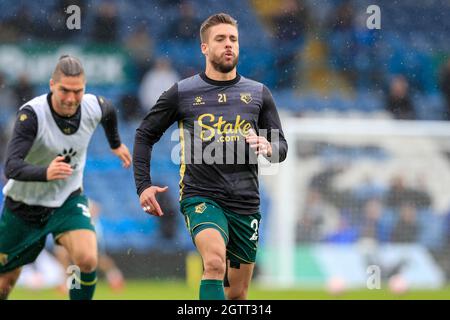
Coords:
pixel 214 20
pixel 68 66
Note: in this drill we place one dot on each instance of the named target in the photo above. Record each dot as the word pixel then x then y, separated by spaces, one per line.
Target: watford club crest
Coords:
pixel 246 97
pixel 200 208
pixel 3 259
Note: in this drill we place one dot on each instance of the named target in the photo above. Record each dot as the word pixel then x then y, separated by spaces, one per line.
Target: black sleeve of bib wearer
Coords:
pixel 270 120
pixel 160 117
pixel 25 131
pixel 109 122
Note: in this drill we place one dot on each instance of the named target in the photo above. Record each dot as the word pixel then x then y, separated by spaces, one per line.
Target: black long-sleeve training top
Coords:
pixel 213 117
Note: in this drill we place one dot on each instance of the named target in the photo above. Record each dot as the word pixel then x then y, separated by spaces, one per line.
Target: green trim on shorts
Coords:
pixel 240 258
pixel 59 235
pixel 215 226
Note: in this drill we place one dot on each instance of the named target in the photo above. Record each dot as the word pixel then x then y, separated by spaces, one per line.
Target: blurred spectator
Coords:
pixel 156 81
pixel 398 102
pixel 398 194
pixel 342 19
pixel 7 33
pixel 318 219
pixel 56 26
pixel 368 55
pixel 23 89
pixel 130 105
pixel 421 194
pixel 445 88
pixel 406 228
pixel 372 211
pixel 21 25
pixel 343 41
pixel 8 102
pixel 291 21
pixel 368 241
pixel 106 23
pixel 186 25
pixel 289 26
pixel 139 47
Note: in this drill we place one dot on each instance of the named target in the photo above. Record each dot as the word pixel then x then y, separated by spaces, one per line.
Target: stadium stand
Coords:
pixel 337 72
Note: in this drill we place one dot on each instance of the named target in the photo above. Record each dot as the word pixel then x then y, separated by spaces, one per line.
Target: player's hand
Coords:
pixel 259 144
pixel 148 200
pixel 58 169
pixel 123 154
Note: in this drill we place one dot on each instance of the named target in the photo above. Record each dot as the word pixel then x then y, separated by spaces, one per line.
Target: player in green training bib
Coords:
pixel 44 164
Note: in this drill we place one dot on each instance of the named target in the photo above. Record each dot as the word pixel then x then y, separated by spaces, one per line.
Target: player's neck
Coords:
pixel 213 74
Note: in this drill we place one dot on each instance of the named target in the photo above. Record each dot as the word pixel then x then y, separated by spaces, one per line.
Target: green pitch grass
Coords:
pixel 172 290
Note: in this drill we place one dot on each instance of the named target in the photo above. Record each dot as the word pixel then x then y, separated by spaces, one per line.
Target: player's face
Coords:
pixel 67 94
pixel 222 47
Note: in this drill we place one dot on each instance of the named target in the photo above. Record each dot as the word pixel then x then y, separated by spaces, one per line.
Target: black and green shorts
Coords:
pixel 21 242
pixel 240 232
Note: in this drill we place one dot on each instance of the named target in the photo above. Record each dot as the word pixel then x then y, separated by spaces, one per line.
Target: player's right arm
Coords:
pixel 24 134
pixel 110 125
pixel 160 117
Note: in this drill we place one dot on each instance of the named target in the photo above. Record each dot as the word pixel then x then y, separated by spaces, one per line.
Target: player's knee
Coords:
pixel 86 262
pixel 214 266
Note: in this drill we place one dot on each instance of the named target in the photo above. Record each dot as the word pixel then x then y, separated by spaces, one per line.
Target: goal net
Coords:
pixel 359 202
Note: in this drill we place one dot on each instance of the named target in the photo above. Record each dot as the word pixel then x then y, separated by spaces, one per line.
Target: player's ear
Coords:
pixel 204 47
pixel 51 84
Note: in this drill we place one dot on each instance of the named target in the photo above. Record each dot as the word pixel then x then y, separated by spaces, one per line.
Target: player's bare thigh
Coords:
pixel 82 248
pixel 211 246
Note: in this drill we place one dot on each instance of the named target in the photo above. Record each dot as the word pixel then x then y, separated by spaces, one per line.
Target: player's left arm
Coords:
pixel 269 141
pixel 110 125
